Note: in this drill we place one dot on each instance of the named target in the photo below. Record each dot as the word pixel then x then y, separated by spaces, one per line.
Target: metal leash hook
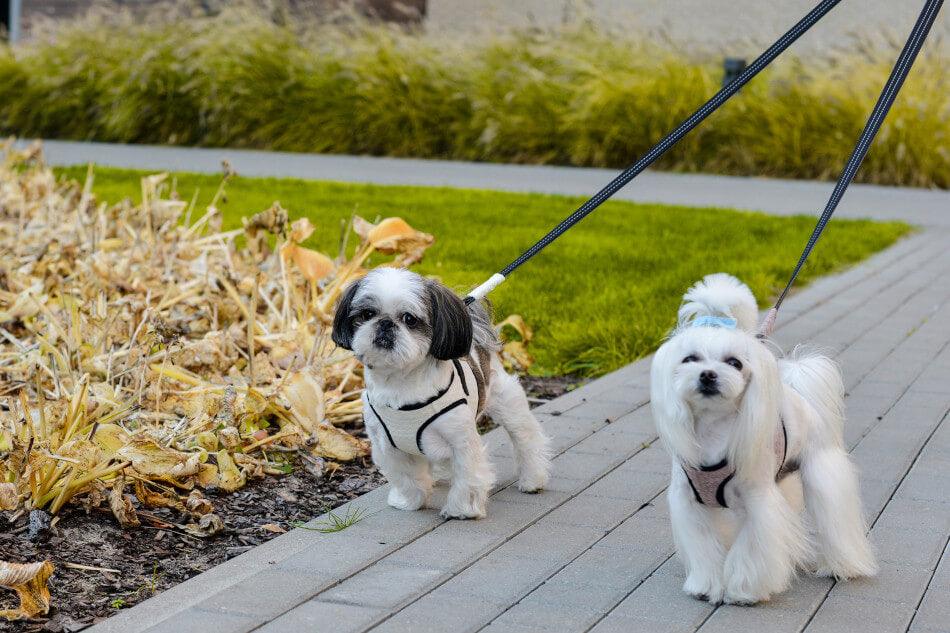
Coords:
pixel 768 323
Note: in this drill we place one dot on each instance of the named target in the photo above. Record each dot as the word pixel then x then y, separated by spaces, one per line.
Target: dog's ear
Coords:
pixel 759 415
pixel 451 323
pixel 342 323
pixel 672 417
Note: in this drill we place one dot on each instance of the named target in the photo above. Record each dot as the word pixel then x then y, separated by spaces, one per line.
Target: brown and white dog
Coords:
pixel 431 369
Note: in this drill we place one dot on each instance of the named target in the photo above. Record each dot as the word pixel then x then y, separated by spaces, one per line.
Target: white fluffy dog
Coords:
pixel 752 440
pixel 431 369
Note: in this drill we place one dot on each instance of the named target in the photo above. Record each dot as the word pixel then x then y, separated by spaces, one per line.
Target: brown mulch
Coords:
pixel 150 559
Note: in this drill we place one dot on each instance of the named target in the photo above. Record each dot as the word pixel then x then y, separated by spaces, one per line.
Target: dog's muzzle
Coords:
pixel 708 383
pixel 385 337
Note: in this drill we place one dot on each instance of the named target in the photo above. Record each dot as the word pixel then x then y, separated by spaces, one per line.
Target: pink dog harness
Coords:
pixel 709 482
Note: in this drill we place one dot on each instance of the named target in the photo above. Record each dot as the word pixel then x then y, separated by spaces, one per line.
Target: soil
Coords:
pixel 159 554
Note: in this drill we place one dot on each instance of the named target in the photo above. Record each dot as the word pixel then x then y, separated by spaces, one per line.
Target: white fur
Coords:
pixel 406 374
pixel 749 551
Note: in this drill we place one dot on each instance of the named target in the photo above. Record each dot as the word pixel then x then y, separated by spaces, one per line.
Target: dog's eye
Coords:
pixel 692 358
pixel 735 362
pixel 410 320
pixel 365 315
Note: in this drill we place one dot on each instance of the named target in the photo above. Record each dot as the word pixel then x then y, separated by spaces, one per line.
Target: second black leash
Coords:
pixel 893 85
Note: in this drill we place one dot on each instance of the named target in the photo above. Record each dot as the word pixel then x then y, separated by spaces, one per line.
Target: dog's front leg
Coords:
pixel 471 477
pixel 769 546
pixel 696 539
pixel 408 475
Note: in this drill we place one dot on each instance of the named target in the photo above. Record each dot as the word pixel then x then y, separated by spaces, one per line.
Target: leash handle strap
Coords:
pixel 893 85
pixel 665 144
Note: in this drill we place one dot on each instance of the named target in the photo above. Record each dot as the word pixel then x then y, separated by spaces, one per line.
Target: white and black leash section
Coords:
pixel 663 146
pixel 893 85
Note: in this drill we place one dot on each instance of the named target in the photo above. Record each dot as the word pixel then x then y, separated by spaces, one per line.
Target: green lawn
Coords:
pixel 601 296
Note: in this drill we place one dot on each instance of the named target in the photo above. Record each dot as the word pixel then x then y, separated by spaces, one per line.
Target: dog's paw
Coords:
pixel 743 598
pixel 741 602
pixel 462 513
pixel 533 484
pixel 410 501
pixel 705 589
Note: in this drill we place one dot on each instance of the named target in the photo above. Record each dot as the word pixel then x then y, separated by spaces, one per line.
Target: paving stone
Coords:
pixel 268 593
pixel 786 612
pixel 438 612
pixel 933 614
pixel 551 541
pixel 658 603
pixel 859 616
pixel 192 620
pixel 385 584
pixel 318 615
pixel 449 548
pixel 502 579
pixel 547 616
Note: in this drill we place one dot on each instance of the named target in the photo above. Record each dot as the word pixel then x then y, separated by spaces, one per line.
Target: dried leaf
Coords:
pixel 9 498
pixel 150 459
pixel 230 478
pixel 155 499
pixel 394 235
pixel 516 336
pixel 300 230
pixel 197 504
pixel 121 505
pixel 312 264
pixel 206 527
pixel 304 394
pixel 337 444
pixel 29 581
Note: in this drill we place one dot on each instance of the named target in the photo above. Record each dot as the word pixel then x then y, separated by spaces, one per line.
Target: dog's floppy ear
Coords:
pixel 759 415
pixel 342 323
pixel 672 417
pixel 451 323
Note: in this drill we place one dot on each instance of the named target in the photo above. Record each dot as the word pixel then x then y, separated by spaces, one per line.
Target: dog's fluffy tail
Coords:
pixel 720 294
pixel 817 379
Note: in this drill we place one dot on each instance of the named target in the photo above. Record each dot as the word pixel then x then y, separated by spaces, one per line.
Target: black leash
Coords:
pixel 661 148
pixel 901 69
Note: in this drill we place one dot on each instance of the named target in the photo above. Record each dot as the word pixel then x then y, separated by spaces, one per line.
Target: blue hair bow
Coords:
pixel 714 321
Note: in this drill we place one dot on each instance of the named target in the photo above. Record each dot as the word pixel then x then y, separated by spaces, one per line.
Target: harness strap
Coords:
pixel 435 417
pixel 727 91
pixel 408 421
pixel 708 483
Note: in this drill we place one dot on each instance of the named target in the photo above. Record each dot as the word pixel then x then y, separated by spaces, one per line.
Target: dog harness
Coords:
pixel 404 425
pixel 709 482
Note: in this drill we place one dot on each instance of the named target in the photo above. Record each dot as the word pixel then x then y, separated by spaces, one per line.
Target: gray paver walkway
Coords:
pixel 594 552
pixel 783 197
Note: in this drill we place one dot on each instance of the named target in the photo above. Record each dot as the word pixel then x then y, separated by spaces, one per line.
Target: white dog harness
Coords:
pixel 404 425
pixel 709 482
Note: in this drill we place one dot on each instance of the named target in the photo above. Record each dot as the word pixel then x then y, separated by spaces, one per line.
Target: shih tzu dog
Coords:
pixel 754 441
pixel 431 369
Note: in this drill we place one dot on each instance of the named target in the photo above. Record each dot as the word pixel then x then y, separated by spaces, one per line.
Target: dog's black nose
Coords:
pixel 708 377
pixel 385 324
